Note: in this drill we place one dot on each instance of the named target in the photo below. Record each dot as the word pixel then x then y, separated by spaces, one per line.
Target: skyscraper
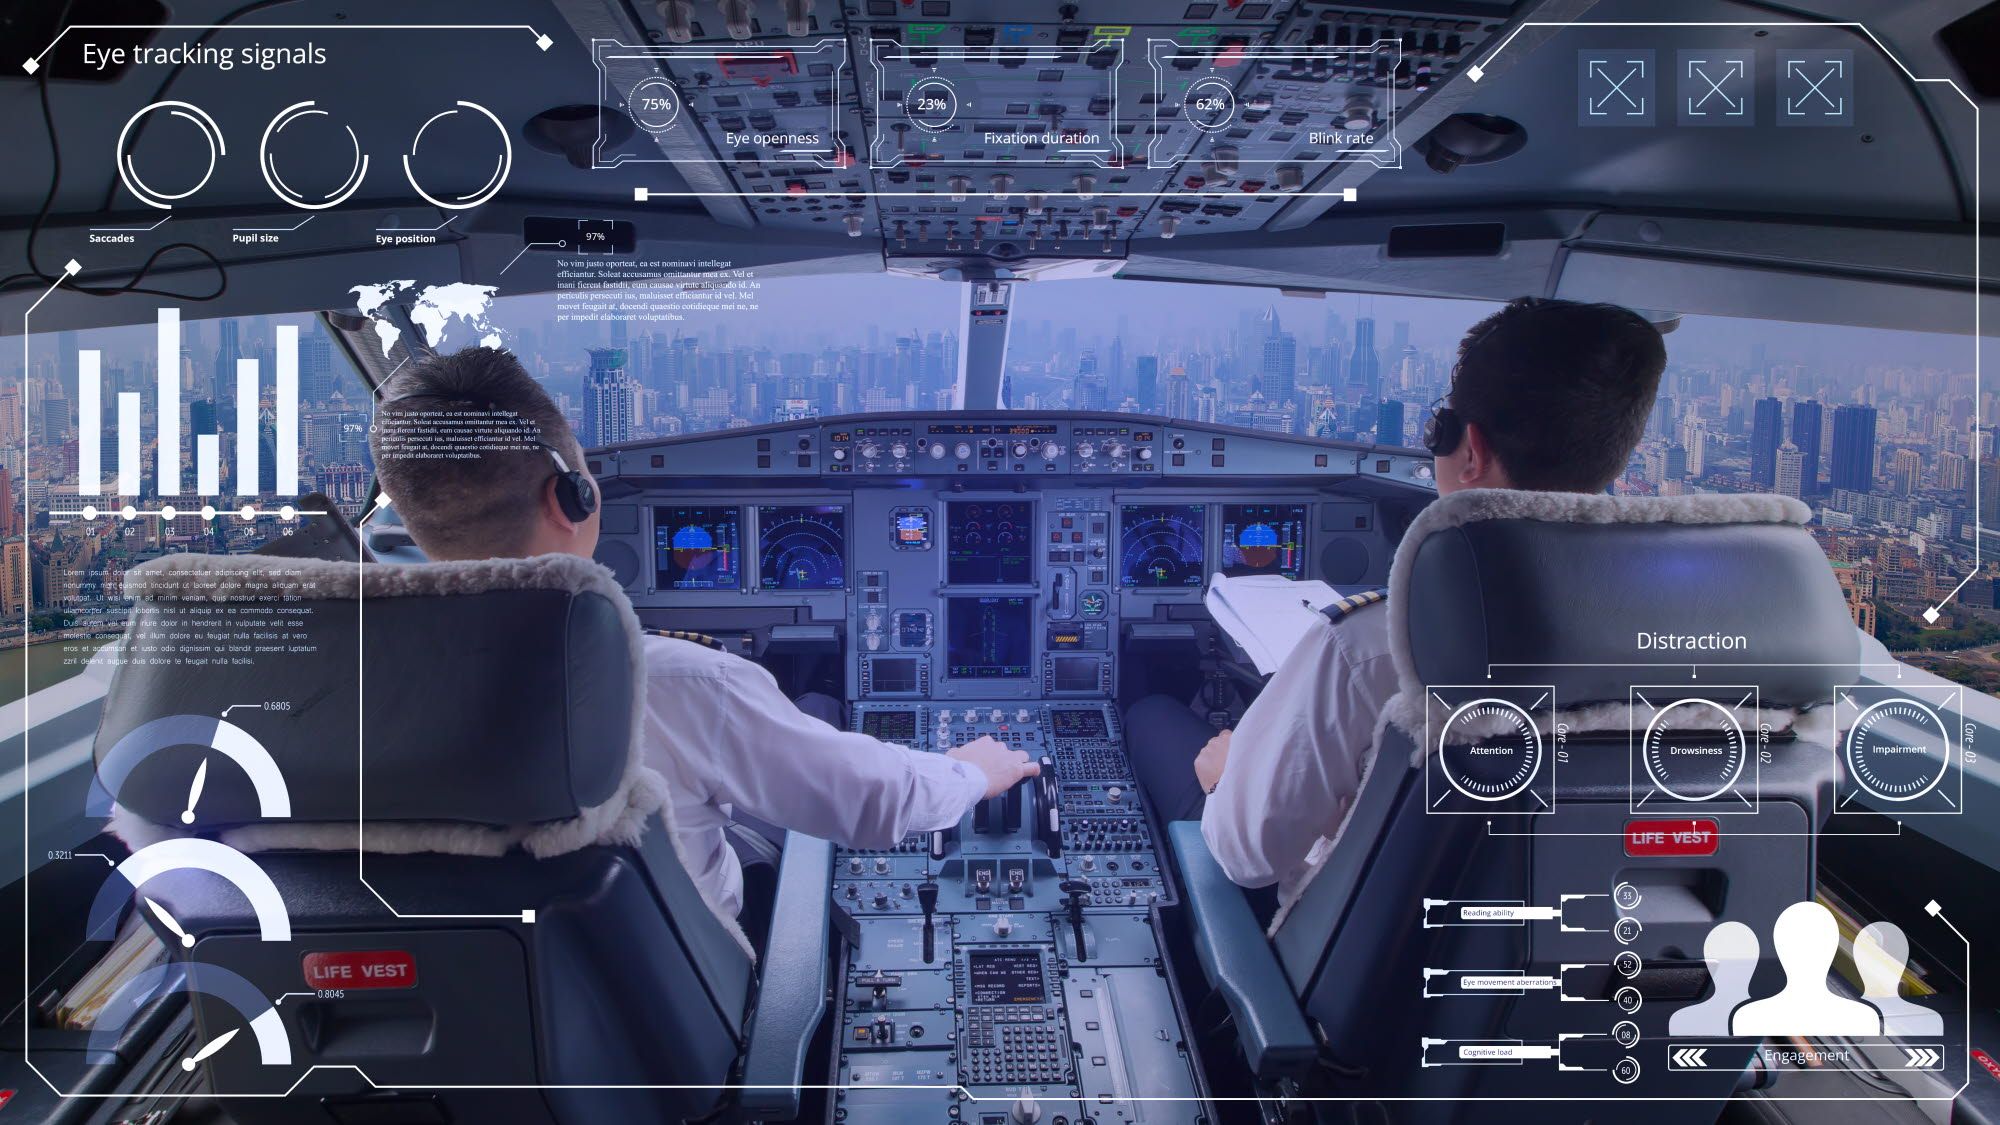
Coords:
pixel 1278 374
pixel 1807 417
pixel 1364 367
pixel 1180 394
pixel 608 392
pixel 1389 422
pixel 1852 465
pixel 1788 468
pixel 1767 430
pixel 1146 382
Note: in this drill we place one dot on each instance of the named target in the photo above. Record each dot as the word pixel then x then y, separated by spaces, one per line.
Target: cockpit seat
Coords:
pixel 481 892
pixel 1541 601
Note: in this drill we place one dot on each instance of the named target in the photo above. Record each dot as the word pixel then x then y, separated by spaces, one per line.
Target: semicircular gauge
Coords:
pixel 274 798
pixel 295 117
pixel 1490 750
pixel 503 159
pixel 151 194
pixel 274 1048
pixel 190 853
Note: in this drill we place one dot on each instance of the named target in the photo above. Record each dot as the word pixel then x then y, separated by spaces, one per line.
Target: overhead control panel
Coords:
pixel 978 127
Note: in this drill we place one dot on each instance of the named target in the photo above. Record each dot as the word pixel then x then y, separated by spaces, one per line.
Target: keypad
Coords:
pixel 1007 1046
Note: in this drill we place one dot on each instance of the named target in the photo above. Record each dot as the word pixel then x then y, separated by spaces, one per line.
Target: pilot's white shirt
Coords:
pixel 725 737
pixel 1295 761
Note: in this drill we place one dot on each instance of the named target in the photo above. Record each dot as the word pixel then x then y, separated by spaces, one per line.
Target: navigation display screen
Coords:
pixel 988 638
pixel 1161 546
pixel 989 542
pixel 1006 976
pixel 802 548
pixel 698 548
pixel 1263 539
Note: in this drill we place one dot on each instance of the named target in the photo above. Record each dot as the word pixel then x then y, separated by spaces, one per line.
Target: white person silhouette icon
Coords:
pixel 1880 952
pixel 1731 953
pixel 1806 938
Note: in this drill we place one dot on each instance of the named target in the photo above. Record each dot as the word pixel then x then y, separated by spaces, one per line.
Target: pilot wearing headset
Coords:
pixel 1549 396
pixel 479 463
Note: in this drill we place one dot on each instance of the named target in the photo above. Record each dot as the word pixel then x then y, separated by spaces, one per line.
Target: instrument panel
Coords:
pixel 976 555
pixel 990 575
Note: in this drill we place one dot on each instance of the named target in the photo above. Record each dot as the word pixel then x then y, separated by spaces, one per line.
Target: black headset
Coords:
pixel 1446 427
pixel 575 494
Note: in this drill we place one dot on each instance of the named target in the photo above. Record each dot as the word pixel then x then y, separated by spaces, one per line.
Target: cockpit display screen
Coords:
pixel 698 548
pixel 1078 722
pixel 890 726
pixel 989 542
pixel 1161 546
pixel 988 638
pixel 1006 976
pixel 1263 539
pixel 802 547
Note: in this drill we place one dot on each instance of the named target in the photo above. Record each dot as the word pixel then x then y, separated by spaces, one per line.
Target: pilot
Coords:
pixel 717 727
pixel 1548 396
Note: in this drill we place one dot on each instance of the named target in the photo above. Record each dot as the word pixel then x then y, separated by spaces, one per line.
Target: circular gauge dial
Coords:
pixel 1695 764
pixel 1898 749
pixel 1490 750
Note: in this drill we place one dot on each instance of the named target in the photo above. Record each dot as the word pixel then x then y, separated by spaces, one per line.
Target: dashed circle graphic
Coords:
pixel 1702 766
pixel 1893 766
pixel 1491 767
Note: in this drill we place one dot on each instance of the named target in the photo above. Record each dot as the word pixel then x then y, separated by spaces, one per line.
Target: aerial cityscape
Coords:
pixel 1874 429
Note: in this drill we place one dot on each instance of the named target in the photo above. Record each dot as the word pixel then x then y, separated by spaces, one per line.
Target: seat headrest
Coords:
pixel 495 693
pixel 1594 594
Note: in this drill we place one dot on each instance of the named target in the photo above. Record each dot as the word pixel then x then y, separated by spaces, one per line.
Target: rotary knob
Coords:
pixel 1115 450
pixel 995 716
pixel 1051 451
pixel 937 452
pixel 1002 926
pixel 1020 449
pixel 840 454
pixel 1086 450
pixel 899 451
pixel 961 451
pixel 1145 453
pixel 1021 716
pixel 870 451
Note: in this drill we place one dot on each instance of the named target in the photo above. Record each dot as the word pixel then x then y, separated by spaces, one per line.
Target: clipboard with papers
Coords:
pixel 1266 615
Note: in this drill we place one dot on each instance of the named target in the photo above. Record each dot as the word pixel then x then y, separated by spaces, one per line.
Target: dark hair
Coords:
pixel 1561 389
pixel 461 445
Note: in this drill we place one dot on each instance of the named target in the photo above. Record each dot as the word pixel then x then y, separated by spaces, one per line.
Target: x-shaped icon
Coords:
pixel 1615 88
pixel 1733 68
pixel 1815 87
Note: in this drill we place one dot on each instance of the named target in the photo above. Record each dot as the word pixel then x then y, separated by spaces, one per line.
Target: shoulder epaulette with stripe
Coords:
pixel 688 635
pixel 1359 599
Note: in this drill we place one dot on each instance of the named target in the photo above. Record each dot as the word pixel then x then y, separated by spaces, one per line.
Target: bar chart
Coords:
pixel 249 479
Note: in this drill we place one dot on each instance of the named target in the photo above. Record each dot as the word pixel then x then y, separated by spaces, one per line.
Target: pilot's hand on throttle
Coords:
pixel 1003 767
pixel 1208 764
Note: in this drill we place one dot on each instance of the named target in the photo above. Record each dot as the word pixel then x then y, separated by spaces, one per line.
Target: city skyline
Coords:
pixel 1875 429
